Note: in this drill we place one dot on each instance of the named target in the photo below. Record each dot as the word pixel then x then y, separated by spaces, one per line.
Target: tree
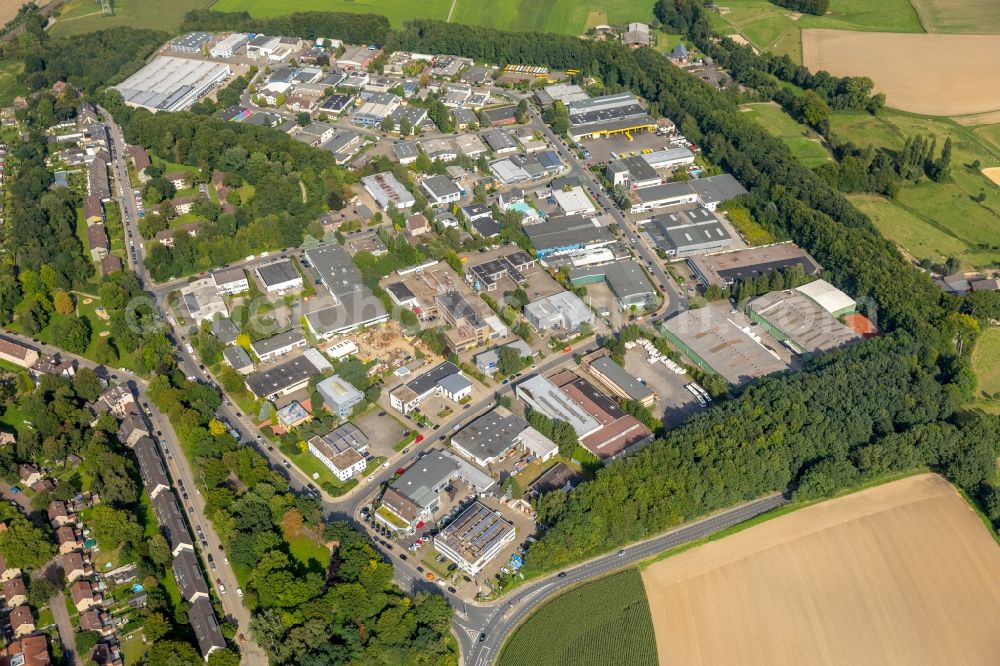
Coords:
pixel 25 546
pixel 387 124
pixel 510 361
pixel 87 384
pixel 41 590
pixel 172 653
pixel 155 627
pixel 303 118
pixel 73 333
pixel 105 352
pixel 224 657
pixel 405 127
pixel 159 550
pixel 63 303
pixel 85 640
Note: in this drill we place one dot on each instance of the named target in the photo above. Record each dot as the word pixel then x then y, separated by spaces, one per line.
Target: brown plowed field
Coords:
pixel 901 574
pixel 941 75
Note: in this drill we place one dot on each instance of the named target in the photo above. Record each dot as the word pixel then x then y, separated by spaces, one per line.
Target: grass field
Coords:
pixel 603 622
pixel 986 361
pixel 978 17
pixel 9 85
pixel 802 141
pixel 934 219
pixel 560 16
pixel 79 16
pixel 397 11
pixel 775 29
pixel 903 569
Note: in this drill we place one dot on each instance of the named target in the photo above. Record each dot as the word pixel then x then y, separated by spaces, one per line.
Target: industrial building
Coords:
pixel 669 158
pixel 172 84
pixel 626 280
pixel 559 235
pixel 231 280
pixel 607 115
pixel 487 361
pixel 440 190
pixel 279 277
pixel 715 190
pixel 387 191
pixel 376 108
pixel 191 42
pixel 574 201
pixel 560 310
pixel 287 377
pixel 614 378
pixel 800 322
pixel 633 173
pixel 661 196
pixel 545 397
pixel 686 232
pixel 200 300
pixel 270 348
pixel 488 438
pixel 229 45
pixel 618 432
pixel 828 297
pixel 340 396
pixel 725 341
pixel 350 304
pixel 500 141
pixel 474 538
pixel 443 379
pixel 489 274
pixel 728 267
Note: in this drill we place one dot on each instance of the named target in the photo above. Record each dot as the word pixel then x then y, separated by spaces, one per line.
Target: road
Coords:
pixel 126 200
pixel 497 621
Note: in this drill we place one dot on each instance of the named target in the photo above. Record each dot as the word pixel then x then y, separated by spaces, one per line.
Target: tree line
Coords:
pixel 348 27
pixel 815 7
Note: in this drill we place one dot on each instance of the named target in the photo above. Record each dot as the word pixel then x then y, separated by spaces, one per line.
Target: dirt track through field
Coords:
pixel 944 75
pixel 993 173
pixel 902 574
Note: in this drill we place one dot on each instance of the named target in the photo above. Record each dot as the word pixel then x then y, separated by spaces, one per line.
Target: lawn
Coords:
pixel 9 85
pixel 773 28
pixel 305 549
pixel 606 621
pixel 986 361
pixel 80 16
pixel 802 141
pixel 977 17
pixel 396 11
pixel 935 219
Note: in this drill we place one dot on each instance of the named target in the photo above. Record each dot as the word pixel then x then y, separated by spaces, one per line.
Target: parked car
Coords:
pixel 239 593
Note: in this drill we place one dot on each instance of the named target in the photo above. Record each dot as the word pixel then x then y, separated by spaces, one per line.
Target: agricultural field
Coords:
pixel 934 220
pixel 776 29
pixel 397 11
pixel 942 75
pixel 906 570
pixel 603 622
pixel 572 17
pixel 80 16
pixel 804 143
pixel 977 17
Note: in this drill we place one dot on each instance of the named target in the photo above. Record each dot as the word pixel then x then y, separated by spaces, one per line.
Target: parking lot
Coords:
pixel 383 432
pixel 601 149
pixel 674 403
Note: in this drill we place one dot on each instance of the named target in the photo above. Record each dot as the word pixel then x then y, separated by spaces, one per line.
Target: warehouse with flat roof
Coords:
pixel 726 268
pixel 287 377
pixel 800 322
pixel 168 83
pixel 545 397
pixel 626 280
pixel 560 310
pixel 828 297
pixel 354 305
pixel 725 341
pixel 682 233
pixel 387 191
pixel 614 378
pixel 489 437
pixel 565 234
pixel 474 538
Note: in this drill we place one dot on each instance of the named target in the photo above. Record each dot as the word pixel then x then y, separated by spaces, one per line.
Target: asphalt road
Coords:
pixel 126 200
pixel 498 620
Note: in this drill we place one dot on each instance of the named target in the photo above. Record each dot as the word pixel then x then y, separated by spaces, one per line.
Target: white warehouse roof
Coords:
pixel 827 296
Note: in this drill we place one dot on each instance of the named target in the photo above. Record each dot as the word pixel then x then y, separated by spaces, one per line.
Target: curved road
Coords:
pixel 498 620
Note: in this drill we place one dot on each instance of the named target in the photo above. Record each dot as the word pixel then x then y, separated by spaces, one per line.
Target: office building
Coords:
pixel 560 310
pixel 339 396
pixel 387 191
pixel 474 538
pixel 268 349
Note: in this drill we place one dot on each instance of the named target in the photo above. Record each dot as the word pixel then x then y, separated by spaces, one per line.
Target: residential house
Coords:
pixel 93 209
pixel 14 352
pixel 68 539
pixel 22 622
pixel 7 572
pixel 15 592
pixel 97 240
pixel 85 595
pixel 417 225
pixel 29 473
pixel 59 514
pixel 29 651
pixel 97 620
pixel 75 565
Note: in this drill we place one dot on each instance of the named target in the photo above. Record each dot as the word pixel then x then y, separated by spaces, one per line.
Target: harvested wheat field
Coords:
pixel 901 574
pixel 993 173
pixel 941 75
